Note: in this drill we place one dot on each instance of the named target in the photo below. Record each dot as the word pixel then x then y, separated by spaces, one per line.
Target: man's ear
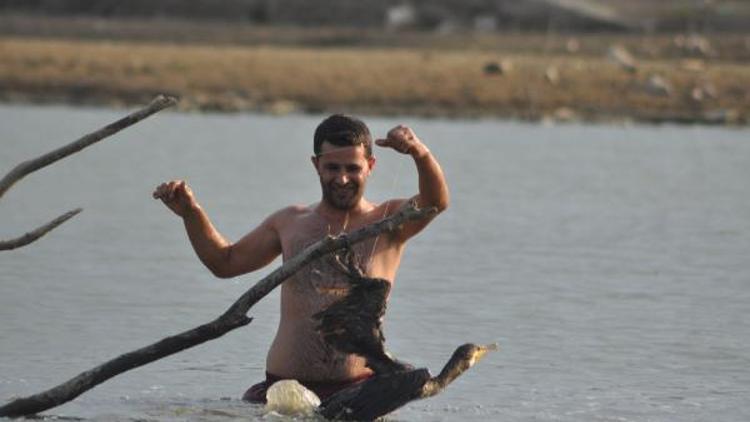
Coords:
pixel 315 159
pixel 371 162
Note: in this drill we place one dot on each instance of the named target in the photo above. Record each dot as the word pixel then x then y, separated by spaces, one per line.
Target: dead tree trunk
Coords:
pixel 233 318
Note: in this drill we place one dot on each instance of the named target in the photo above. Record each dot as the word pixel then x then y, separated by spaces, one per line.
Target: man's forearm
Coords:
pixel 433 189
pixel 208 243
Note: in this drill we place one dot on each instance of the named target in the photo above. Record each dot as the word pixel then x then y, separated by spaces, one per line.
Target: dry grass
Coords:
pixel 414 80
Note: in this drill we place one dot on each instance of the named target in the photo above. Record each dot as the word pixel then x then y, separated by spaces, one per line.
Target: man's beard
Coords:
pixel 342 198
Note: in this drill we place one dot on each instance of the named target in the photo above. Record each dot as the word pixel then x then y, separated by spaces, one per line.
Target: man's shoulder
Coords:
pixel 291 212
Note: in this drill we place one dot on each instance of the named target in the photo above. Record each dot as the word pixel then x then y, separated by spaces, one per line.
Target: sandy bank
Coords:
pixel 376 80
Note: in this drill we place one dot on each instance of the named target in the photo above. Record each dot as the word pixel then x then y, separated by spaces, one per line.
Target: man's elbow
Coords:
pixel 222 268
pixel 442 203
pixel 442 206
pixel 219 273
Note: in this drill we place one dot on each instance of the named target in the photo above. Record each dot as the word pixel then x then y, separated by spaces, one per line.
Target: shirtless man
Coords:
pixel 343 161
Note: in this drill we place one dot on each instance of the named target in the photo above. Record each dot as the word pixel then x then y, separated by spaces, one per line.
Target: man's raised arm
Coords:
pixel 257 249
pixel 433 189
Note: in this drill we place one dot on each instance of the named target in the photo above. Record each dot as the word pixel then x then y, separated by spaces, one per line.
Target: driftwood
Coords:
pixel 233 318
pixel 27 167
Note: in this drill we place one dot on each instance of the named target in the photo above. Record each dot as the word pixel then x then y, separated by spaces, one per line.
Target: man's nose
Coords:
pixel 342 178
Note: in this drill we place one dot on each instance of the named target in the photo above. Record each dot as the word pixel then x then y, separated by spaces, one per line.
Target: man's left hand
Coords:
pixel 405 141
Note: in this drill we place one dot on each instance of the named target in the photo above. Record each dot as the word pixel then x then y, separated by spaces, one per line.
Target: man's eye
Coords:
pixel 332 167
pixel 353 169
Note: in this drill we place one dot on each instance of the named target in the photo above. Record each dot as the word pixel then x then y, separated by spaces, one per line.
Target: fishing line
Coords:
pixel 396 176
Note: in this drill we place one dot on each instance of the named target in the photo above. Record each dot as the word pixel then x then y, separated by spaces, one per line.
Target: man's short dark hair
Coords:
pixel 342 130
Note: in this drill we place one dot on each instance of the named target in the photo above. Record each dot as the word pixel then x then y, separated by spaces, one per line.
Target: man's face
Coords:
pixel 343 174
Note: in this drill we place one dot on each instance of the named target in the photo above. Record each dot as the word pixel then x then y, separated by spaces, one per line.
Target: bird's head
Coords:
pixel 462 359
pixel 470 353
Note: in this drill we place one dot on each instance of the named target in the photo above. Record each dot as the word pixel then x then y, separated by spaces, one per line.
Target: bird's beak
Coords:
pixel 482 350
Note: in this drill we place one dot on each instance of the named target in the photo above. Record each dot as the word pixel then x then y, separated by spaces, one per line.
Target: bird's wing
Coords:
pixel 353 324
pixel 376 396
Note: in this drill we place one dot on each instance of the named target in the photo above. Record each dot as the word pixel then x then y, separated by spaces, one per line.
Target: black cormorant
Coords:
pixel 353 325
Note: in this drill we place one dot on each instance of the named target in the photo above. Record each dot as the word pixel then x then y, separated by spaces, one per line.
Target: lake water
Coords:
pixel 611 264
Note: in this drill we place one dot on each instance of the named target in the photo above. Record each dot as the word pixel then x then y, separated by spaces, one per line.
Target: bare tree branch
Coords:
pixel 37 233
pixel 27 167
pixel 22 170
pixel 234 317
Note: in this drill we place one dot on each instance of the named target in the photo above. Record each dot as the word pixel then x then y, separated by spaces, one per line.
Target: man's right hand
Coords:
pixel 177 196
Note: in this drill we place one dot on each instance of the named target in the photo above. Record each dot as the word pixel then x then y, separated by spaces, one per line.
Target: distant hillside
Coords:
pixel 442 15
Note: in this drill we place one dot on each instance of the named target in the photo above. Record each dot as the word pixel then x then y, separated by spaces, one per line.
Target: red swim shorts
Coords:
pixel 257 393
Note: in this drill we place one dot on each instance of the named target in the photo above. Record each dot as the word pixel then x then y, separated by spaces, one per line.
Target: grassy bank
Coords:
pixel 526 84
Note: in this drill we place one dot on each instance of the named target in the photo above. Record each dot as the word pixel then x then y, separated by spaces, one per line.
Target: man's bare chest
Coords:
pixel 323 276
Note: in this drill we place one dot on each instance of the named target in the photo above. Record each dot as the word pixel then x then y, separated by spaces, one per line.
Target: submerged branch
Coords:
pixel 234 317
pixel 87 380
